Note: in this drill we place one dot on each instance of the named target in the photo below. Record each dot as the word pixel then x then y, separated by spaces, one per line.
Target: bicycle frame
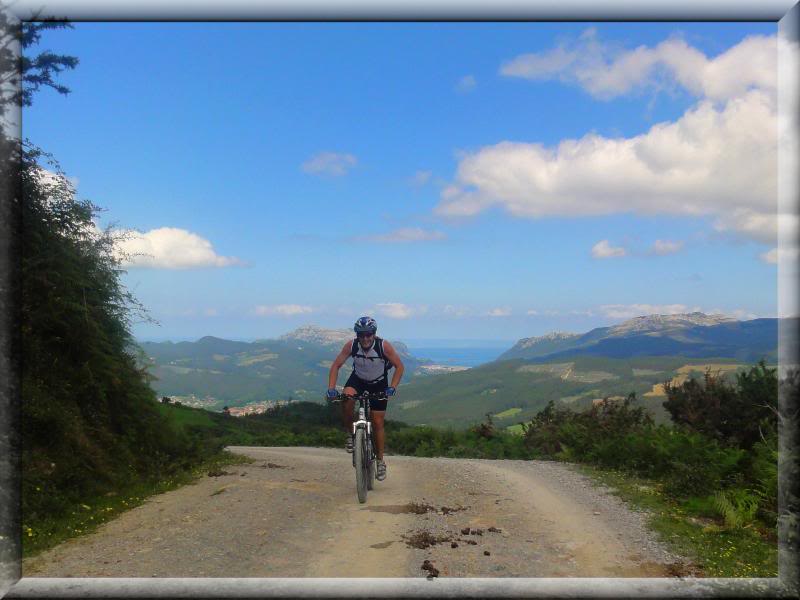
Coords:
pixel 365 472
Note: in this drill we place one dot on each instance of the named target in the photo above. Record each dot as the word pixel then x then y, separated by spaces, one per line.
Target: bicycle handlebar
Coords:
pixel 366 395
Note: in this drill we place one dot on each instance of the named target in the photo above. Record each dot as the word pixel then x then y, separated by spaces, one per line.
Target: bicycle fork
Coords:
pixel 361 423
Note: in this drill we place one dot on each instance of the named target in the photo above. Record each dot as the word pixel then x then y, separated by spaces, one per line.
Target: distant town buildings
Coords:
pixel 256 408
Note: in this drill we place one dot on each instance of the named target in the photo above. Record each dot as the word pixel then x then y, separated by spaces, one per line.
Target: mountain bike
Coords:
pixel 364 456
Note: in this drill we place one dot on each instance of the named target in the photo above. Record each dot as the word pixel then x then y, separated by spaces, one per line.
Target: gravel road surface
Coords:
pixel 294 513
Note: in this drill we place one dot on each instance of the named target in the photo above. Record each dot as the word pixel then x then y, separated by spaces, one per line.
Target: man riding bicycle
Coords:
pixel 372 359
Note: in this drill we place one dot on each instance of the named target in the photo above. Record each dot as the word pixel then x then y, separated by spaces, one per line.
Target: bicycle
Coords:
pixel 364 456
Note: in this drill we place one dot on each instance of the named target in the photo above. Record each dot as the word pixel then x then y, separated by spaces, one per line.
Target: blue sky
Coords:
pixel 458 181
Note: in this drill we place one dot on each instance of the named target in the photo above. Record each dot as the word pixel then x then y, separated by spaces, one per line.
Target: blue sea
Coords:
pixel 460 357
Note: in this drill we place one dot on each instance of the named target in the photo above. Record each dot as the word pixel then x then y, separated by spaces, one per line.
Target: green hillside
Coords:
pixel 221 372
pixel 515 390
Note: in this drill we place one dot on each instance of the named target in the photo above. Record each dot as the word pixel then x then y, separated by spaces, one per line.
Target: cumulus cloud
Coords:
pixel 664 247
pixel 499 312
pixel 718 160
pixel 407 234
pixel 282 310
pixel 330 163
pixel 607 72
pixel 169 248
pixel 603 249
pixel 717 163
pixel 466 84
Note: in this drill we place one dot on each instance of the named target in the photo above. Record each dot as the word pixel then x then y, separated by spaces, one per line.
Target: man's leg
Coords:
pixel 347 418
pixel 347 409
pixel 377 431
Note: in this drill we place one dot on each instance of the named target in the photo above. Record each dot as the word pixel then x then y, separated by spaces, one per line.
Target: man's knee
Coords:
pixel 377 419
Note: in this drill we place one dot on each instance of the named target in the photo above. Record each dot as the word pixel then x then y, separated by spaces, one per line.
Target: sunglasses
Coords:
pixel 365 335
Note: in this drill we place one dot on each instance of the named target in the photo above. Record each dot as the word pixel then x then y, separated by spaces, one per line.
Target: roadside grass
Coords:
pixel 88 515
pixel 691 528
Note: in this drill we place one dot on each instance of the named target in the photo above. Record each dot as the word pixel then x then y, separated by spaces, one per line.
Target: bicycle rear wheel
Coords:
pixel 362 468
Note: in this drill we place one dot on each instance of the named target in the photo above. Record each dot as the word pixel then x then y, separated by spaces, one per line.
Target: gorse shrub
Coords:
pixel 737 415
pixel 593 435
pixel 622 436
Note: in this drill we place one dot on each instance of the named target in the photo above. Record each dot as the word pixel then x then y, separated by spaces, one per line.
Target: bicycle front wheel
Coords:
pixel 361 457
pixel 372 465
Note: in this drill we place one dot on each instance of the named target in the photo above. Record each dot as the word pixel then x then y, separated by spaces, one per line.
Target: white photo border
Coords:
pixel 785 12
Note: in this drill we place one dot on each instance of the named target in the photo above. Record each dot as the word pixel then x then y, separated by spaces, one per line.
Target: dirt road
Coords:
pixel 294 513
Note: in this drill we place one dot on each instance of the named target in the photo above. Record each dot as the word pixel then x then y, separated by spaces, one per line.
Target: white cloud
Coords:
pixel 736 313
pixel 466 84
pixel 397 310
pixel 629 311
pixel 717 163
pixel 169 248
pixel 664 247
pixel 606 72
pixel 771 256
pixel 603 249
pixel 784 255
pixel 330 163
pixel 718 160
pixel 532 312
pixel 282 310
pixel 499 312
pixel 408 234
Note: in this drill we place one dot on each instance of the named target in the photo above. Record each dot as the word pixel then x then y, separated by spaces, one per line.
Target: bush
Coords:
pixel 738 415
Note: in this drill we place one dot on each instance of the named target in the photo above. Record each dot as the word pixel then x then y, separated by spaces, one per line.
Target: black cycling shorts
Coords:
pixel 375 387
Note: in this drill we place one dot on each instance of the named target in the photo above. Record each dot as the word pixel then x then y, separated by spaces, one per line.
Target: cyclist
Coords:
pixel 372 359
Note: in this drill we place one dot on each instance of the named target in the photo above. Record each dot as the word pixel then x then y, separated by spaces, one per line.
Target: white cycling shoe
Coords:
pixel 381 473
pixel 348 445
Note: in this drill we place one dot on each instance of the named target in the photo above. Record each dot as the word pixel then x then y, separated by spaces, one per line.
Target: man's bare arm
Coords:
pixel 342 357
pixel 394 357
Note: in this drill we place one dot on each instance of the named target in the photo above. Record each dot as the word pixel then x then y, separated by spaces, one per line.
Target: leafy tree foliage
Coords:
pixel 89 417
pixel 22 76
pixel 739 414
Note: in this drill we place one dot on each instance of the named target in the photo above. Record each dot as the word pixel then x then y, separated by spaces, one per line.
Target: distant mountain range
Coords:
pixel 574 369
pixel 571 368
pixel 695 335
pixel 213 372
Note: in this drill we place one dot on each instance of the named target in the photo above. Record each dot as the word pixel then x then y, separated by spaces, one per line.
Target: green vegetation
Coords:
pixel 94 438
pixel 81 517
pixel 459 399
pixel 692 527
pixel 508 413
pixel 238 373
pixel 710 480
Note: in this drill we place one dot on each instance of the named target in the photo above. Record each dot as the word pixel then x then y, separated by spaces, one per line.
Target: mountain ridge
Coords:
pixel 691 334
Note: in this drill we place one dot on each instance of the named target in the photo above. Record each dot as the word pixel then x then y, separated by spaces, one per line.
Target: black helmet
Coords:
pixel 365 325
